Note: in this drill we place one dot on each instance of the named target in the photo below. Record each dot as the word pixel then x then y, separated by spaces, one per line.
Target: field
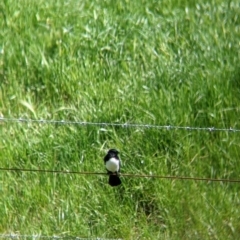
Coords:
pixel 143 62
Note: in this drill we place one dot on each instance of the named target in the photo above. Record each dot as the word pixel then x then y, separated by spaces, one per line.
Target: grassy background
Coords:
pixel 150 62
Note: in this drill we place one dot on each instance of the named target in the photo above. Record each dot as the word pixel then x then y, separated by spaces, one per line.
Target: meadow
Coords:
pixel 147 62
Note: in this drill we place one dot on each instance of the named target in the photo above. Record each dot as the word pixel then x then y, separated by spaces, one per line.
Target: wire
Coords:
pixel 124 175
pixel 124 125
pixel 17 236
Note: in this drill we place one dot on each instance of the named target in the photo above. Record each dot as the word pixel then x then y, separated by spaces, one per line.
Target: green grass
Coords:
pixel 149 62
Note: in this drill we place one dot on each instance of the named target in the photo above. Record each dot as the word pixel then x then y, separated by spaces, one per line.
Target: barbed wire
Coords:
pixel 19 236
pixel 124 125
pixel 123 174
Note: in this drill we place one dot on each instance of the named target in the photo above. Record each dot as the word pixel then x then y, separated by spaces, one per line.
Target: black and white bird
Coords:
pixel 113 164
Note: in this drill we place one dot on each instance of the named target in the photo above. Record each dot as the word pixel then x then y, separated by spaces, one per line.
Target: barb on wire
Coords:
pixel 124 175
pixel 124 125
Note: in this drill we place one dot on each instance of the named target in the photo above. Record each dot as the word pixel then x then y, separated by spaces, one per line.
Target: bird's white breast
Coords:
pixel 112 165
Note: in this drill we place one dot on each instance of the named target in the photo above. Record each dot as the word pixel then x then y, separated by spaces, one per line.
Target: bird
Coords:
pixel 113 164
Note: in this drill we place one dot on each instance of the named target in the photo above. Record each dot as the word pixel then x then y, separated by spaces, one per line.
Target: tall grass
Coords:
pixel 150 62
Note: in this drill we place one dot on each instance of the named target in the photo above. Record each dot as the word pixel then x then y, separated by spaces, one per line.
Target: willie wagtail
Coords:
pixel 112 163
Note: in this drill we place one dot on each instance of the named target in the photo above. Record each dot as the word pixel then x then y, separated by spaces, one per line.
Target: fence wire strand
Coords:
pixel 19 236
pixel 124 125
pixel 123 174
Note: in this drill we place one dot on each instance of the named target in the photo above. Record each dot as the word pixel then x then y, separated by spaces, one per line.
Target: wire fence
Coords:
pixel 34 237
pixel 123 125
pixel 124 175
pixel 129 175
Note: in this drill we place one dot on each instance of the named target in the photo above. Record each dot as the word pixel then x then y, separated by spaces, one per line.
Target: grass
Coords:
pixel 171 62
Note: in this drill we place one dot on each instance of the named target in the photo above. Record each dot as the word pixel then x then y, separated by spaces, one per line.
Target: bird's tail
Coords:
pixel 114 180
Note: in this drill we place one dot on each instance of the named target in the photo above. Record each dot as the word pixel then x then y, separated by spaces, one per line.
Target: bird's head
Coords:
pixel 113 151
